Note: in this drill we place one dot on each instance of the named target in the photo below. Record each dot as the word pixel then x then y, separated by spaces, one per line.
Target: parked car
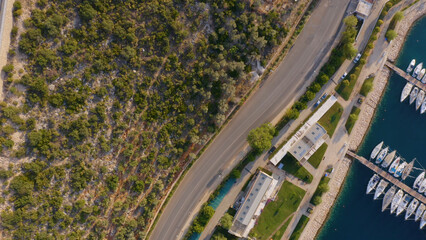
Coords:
pixel 344 75
pixel 272 149
pixel 320 100
pixel 357 58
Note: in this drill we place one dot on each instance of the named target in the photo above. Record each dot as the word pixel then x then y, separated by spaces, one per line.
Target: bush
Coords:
pixel 391 35
pixel 236 173
pixel 316 200
pixel 367 86
pixel 226 221
pixel 260 138
pixel 8 68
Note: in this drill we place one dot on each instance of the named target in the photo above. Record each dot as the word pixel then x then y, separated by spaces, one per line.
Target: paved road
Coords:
pixel 274 95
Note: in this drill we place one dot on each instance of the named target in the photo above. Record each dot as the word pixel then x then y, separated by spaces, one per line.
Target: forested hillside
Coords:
pixel 107 100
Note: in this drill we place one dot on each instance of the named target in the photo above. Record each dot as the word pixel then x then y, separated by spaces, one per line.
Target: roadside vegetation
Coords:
pixel 367 86
pixel 299 227
pixel 111 103
pixel 316 158
pixel 353 117
pixel 390 33
pixel 287 201
pixel 292 166
pixel 278 234
pixel 260 138
pixel 321 189
pixel 331 118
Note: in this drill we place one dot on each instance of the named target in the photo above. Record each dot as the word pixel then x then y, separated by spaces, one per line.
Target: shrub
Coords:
pixel 391 35
pixel 260 138
pixel 316 200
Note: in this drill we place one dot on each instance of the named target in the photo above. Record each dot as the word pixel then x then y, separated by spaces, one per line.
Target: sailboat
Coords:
pixel 411 208
pixel 417 69
pixel 380 188
pixel 418 180
pixel 382 155
pixel 387 199
pixel 376 150
pixel 422 186
pixel 394 165
pixel 423 220
pixel 419 212
pixel 388 159
pixel 396 200
pixel 413 94
pixel 372 183
pixel 411 65
pixel 406 91
pixel 403 204
pixel 420 98
pixel 423 107
pixel 421 74
pixel 399 170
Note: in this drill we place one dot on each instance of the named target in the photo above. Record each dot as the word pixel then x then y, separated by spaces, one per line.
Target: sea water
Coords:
pixel 356 215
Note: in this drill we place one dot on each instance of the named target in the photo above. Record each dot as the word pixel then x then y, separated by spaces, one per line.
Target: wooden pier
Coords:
pixel 384 174
pixel 406 75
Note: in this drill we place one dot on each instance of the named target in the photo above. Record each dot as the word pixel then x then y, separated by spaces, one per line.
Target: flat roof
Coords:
pixel 364 7
pixel 253 198
pixel 305 144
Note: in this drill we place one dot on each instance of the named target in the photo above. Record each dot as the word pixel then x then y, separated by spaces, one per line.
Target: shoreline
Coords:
pixel 411 16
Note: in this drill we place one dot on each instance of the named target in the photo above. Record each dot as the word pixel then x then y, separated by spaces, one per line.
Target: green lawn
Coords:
pixel 278 234
pixel 316 158
pixel 367 86
pixel 353 117
pixel 318 192
pixel 292 166
pixel 331 118
pixel 287 201
pixel 299 227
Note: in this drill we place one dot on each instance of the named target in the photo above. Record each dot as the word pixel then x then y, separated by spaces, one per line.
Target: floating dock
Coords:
pixel 384 174
pixel 405 75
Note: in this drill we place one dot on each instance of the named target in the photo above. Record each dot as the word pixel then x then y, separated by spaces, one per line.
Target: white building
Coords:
pixel 255 200
pixel 363 9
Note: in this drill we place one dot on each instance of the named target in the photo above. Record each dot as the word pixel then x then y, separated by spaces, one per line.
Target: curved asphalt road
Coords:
pixel 274 95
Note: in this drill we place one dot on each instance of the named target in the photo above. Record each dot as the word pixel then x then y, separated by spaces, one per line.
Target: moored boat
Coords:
pixel 420 98
pixel 376 150
pixel 422 186
pixel 394 165
pixel 406 91
pixel 413 94
pixel 396 200
pixel 380 188
pixel 387 199
pixel 417 69
pixel 424 79
pixel 423 220
pixel 407 169
pixel 403 204
pixel 411 208
pixel 419 212
pixel 421 74
pixel 382 155
pixel 388 159
pixel 423 107
pixel 411 65
pixel 418 180
pixel 372 183
pixel 399 170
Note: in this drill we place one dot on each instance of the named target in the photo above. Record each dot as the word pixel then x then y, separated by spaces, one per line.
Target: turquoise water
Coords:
pixel 222 193
pixel 355 214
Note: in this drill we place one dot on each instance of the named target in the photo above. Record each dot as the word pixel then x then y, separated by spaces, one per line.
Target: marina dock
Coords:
pixel 405 75
pixel 384 174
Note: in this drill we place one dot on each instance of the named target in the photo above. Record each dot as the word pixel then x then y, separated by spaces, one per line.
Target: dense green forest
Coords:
pixel 111 101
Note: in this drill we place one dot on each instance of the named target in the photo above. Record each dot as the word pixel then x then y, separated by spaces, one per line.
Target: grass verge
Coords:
pixel 278 234
pixel 321 189
pixel 299 227
pixel 316 158
pixel 292 166
pixel 367 86
pixel 287 202
pixel 353 117
pixel 331 118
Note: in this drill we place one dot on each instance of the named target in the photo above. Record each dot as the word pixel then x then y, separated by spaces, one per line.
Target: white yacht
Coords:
pixel 418 180
pixel 399 170
pixel 396 200
pixel 394 165
pixel 388 159
pixel 422 186
pixel 419 212
pixel 403 204
pixel 382 155
pixel 420 98
pixel 423 220
pixel 413 94
pixel 387 199
pixel 372 183
pixel 421 74
pixel 380 188
pixel 424 79
pixel 411 65
pixel 423 107
pixel 411 208
pixel 417 69
pixel 406 91
pixel 376 150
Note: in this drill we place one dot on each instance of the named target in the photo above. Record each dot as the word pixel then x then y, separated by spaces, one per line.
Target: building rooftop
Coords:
pixel 364 7
pixel 253 198
pixel 304 145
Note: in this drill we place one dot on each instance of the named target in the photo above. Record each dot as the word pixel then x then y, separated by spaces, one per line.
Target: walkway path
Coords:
pixel 6 23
